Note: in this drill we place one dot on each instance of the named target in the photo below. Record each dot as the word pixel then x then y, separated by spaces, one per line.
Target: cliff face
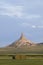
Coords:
pixel 22 42
pixel 22 45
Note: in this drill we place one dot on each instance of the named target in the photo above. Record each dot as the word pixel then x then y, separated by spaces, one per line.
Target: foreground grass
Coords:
pixel 21 62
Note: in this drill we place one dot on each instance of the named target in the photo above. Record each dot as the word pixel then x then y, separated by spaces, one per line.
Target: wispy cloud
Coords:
pixel 10 10
pixel 32 16
pixel 17 11
pixel 24 24
pixel 37 27
pixel 27 24
pixel 40 26
pixel 34 26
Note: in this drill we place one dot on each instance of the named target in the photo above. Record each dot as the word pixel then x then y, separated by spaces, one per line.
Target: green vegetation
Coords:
pixel 22 56
pixel 38 49
pixel 31 60
pixel 21 62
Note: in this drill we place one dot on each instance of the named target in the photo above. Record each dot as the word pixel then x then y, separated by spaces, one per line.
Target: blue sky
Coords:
pixel 17 16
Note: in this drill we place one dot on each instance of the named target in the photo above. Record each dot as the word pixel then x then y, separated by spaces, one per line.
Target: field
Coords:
pixel 21 62
pixel 34 56
pixel 31 60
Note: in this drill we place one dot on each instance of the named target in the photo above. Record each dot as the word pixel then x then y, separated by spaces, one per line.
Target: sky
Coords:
pixel 21 16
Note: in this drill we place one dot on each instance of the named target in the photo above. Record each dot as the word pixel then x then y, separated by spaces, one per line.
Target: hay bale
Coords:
pixel 20 57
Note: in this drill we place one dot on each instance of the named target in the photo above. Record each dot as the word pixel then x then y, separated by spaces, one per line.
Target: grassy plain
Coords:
pixel 36 57
pixel 21 62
